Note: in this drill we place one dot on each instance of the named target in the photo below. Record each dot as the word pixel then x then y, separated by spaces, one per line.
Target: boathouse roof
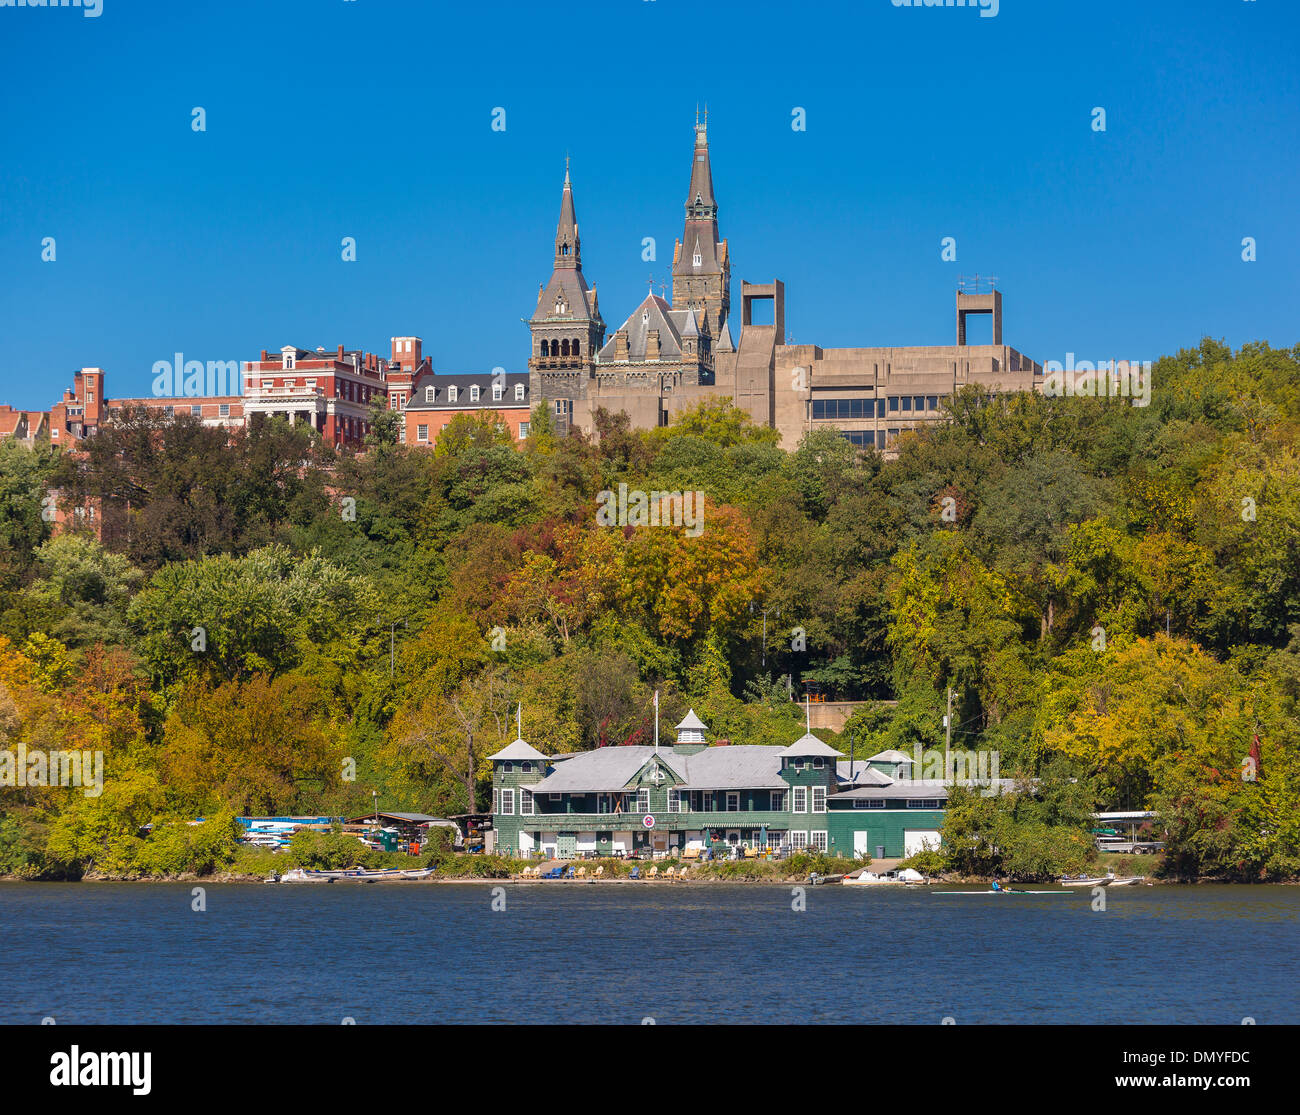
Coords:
pixel 518 750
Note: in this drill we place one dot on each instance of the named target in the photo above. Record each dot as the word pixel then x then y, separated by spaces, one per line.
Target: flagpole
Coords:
pixel 656 722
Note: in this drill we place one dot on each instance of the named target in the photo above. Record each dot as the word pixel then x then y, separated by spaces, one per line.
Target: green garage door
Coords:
pixel 566 845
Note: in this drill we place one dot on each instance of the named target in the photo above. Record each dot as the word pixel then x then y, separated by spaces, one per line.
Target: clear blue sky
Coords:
pixel 372 119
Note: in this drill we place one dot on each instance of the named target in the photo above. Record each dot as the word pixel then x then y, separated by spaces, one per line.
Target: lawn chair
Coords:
pixel 653 873
pixel 582 872
pixel 598 872
pixel 681 873
pixel 670 874
pixel 635 873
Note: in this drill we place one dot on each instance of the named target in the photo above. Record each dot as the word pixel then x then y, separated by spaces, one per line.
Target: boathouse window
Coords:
pixel 818 840
pixel 507 803
pixel 798 840
pixel 733 801
pixel 778 801
pixel 507 767
pixel 819 799
pixel 799 799
pixel 674 800
pixel 924 803
pixel 643 800
pixel 525 803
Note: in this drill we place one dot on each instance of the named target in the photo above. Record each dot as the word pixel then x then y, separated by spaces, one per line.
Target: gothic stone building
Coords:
pixel 670 356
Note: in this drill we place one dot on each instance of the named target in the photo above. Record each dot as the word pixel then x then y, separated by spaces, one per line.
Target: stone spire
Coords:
pixel 568 248
pixel 701 265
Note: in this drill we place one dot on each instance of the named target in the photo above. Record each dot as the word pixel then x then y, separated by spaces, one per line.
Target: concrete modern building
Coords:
pixel 670 355
pixel 665 800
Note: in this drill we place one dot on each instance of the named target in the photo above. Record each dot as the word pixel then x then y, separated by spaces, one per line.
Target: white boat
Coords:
pixel 1131 881
pixel 1088 881
pixel 298 875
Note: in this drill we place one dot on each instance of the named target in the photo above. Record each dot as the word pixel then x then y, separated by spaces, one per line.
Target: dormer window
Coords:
pixel 698 259
pixel 452 393
pixel 498 390
pixel 429 393
pixel 474 393
pixel 561 306
pixel 288 361
pixel 519 392
pixel 645 316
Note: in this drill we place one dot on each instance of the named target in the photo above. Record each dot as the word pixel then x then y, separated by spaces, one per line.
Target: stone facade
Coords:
pixel 646 370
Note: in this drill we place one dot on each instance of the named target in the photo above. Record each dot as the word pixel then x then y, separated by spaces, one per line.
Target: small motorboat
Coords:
pixel 1088 880
pixel 298 875
pixel 1131 881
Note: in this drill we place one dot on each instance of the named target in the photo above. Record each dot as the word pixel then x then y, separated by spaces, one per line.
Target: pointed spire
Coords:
pixel 700 203
pixel 568 248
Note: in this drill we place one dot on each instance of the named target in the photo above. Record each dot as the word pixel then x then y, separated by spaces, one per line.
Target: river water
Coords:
pixel 623 953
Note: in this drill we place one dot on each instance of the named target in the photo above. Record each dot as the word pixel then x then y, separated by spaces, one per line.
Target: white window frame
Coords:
pixel 498 392
pixel 818 795
pixel 779 808
pixel 474 392
pixel 798 799
pixel 429 393
pixel 733 796
pixel 798 840
pixel 507 802
pixel 453 393
pixel 519 392
pixel 525 803
pixel 643 800
pixel 674 800
pixel 421 433
pixel 817 841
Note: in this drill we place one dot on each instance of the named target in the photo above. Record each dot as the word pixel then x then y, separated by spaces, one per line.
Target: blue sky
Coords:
pixel 372 119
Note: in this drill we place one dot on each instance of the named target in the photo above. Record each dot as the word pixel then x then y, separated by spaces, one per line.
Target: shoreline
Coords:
pixel 225 878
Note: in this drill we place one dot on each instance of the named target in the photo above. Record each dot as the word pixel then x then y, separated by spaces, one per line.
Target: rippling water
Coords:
pixel 136 953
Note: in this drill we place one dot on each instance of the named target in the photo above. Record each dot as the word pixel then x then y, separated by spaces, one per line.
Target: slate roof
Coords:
pixel 692 722
pixel 863 775
pixel 715 768
pixel 891 757
pixel 674 327
pixel 808 745
pixel 518 750
pixel 463 383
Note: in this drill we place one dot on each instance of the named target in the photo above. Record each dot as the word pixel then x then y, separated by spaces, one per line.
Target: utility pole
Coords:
pixel 392 643
pixel 947 734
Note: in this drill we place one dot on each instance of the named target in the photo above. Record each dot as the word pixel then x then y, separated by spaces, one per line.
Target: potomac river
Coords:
pixel 723 953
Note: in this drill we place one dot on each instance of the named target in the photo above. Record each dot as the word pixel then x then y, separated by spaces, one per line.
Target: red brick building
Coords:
pixel 437 399
pixel 332 391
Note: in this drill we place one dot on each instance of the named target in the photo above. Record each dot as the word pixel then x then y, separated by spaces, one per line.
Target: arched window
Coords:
pixel 564 348
pixel 546 348
pixel 576 349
